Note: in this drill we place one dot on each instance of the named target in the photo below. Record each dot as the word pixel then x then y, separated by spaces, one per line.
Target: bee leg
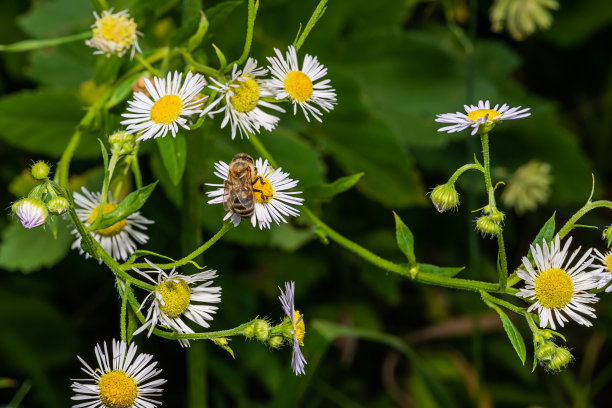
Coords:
pixel 263 197
pixel 260 179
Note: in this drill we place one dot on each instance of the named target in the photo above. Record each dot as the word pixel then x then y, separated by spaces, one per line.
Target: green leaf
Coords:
pixel 127 206
pixel 329 190
pixel 546 233
pixel 57 18
pixel 513 335
pixel 405 239
pixel 447 271
pixel 123 90
pixel 28 250
pixel 220 56
pixel 43 122
pixel 173 152
pixel 196 38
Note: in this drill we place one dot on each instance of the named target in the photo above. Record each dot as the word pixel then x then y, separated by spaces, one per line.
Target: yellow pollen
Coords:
pixel 166 110
pixel 609 263
pixel 117 390
pixel 554 288
pixel 262 190
pixel 176 296
pixel 113 229
pixel 116 28
pixel 481 113
pixel 298 86
pixel 246 95
pixel 300 328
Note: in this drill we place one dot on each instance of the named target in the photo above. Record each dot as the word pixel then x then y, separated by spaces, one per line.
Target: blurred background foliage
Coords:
pixel 373 339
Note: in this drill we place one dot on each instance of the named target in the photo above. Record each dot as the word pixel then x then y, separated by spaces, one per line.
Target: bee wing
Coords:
pixel 245 196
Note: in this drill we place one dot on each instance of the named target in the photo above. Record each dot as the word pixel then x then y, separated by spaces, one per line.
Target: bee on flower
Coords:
pixel 240 101
pixel 114 33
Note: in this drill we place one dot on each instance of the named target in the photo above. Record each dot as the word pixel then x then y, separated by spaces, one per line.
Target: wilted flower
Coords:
pixel 114 33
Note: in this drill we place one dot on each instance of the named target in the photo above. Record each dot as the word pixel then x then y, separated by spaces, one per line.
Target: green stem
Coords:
pixel 316 15
pixel 501 302
pixel 589 206
pixel 184 261
pixel 205 69
pixel 252 14
pixel 503 263
pixel 147 65
pixel 484 138
pixel 124 312
pixel 464 168
pixel 107 180
pixel 28 45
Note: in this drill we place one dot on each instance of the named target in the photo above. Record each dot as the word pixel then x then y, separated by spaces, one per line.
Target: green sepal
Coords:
pixel 405 239
pixel 129 205
pixel 223 343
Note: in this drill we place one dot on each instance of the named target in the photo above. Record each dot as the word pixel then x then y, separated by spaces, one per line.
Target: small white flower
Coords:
pixel 32 212
pixel 176 296
pixel 298 362
pixel 170 103
pixel 272 201
pixel 114 34
pixel 122 379
pixel 299 85
pixel 558 288
pixel 242 103
pixel 602 270
pixel 120 239
pixel 479 115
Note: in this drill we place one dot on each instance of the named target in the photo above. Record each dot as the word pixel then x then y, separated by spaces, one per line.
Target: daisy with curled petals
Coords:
pixel 481 115
pixel 120 239
pixel 298 328
pixel 272 203
pixel 602 269
pixel 559 288
pixel 179 296
pixel 114 33
pixel 170 101
pixel 300 86
pixel 241 103
pixel 122 379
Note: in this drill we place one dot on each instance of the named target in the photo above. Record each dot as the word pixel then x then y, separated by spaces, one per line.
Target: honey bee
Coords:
pixel 238 194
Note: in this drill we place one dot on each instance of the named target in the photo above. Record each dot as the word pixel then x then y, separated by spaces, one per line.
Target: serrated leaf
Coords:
pixel 447 271
pixel 27 250
pixel 513 335
pixel 173 151
pixel 43 122
pixel 127 206
pixel 334 188
pixel 405 239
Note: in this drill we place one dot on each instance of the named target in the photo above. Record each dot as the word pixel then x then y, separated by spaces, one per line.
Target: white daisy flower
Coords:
pixel 121 380
pixel 271 200
pixel 114 33
pixel 299 85
pixel 602 269
pixel 32 212
pixel 242 101
pixel 165 110
pixel 120 239
pixel 479 116
pixel 298 362
pixel 557 287
pixel 177 296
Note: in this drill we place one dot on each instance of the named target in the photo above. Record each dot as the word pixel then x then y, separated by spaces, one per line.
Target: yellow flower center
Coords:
pixel 300 328
pixel 481 113
pixel 116 28
pixel 609 263
pixel 113 229
pixel 166 110
pixel 246 95
pixel 262 190
pixel 554 288
pixel 298 86
pixel 117 390
pixel 176 296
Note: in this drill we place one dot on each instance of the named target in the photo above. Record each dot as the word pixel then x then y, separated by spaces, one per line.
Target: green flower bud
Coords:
pixel 487 226
pixel 121 142
pixel 262 330
pixel 40 170
pixel 58 205
pixel 497 215
pixel 607 235
pixel 444 197
pixel 560 360
pixel 546 351
pixel 276 342
pixel 249 331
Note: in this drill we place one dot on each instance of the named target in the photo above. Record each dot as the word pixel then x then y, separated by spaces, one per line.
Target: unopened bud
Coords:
pixel 276 341
pixel 560 360
pixel 40 170
pixel 607 235
pixel 546 352
pixel 262 330
pixel 487 226
pixel 32 212
pixel 58 205
pixel 444 197
pixel 496 215
pixel 121 142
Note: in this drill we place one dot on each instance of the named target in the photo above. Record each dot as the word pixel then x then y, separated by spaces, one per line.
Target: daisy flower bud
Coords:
pixel 488 226
pixel 32 212
pixel 262 330
pixel 444 197
pixel 545 352
pixel 40 170
pixel 276 342
pixel 560 360
pixel 58 205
